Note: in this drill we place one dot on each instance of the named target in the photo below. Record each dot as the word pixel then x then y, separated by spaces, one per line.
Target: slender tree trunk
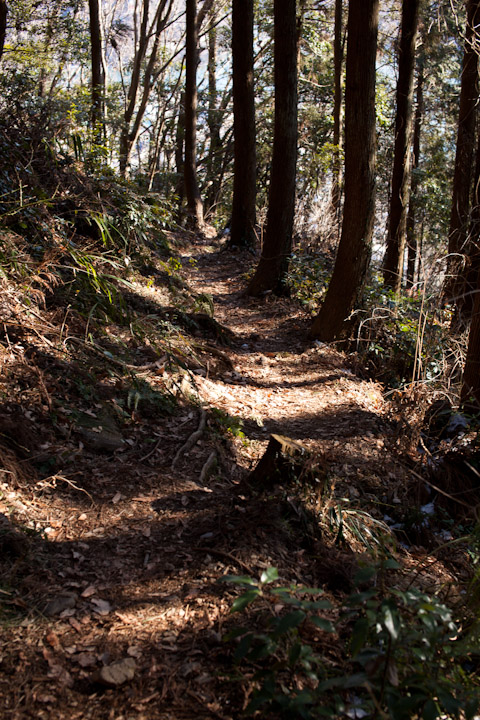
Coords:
pixel 353 256
pixel 470 395
pixel 3 24
pixel 98 76
pixel 192 191
pixel 273 265
pixel 337 107
pixel 397 225
pixel 179 148
pixel 131 131
pixel 412 243
pixel 242 230
pixel 466 283
pixel 462 178
pixel 141 44
pixel 214 123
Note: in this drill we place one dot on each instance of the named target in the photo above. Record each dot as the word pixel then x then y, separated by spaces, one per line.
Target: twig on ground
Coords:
pixel 152 451
pixel 53 479
pixel 208 467
pixel 206 347
pixel 101 352
pixel 192 439
pixel 227 556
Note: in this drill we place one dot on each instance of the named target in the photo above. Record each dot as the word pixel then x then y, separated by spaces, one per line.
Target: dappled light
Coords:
pixel 239 360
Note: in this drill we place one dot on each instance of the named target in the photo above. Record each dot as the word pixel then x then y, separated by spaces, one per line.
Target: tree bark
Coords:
pixel 192 190
pixel 179 152
pixel 353 256
pixel 273 265
pixel 337 107
pixel 470 395
pixel 397 225
pixel 214 123
pixel 98 76
pixel 462 178
pixel 242 230
pixel 3 24
pixel 412 243
pixel 466 282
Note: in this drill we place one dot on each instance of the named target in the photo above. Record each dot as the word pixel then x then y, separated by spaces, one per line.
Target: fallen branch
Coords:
pixel 115 361
pixel 206 347
pixel 153 450
pixel 227 556
pixel 194 437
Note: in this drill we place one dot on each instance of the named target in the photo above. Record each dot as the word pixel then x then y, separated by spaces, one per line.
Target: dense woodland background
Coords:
pixel 376 142
pixel 331 148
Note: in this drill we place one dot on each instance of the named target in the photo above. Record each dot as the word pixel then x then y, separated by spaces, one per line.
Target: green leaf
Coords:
pixel 323 624
pixel 294 653
pixel 317 605
pixel 359 636
pixel 234 633
pixel 364 575
pixel 243 647
pixel 392 622
pixel 238 580
pixel 449 702
pixel 430 710
pixel 269 575
pixel 256 703
pixel 472 707
pixel 391 564
pixel 290 621
pixel 241 602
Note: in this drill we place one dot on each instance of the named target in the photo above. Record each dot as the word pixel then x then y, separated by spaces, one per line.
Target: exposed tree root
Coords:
pixel 194 437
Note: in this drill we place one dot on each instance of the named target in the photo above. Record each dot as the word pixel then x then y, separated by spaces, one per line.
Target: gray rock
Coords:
pixel 117 673
pixel 59 603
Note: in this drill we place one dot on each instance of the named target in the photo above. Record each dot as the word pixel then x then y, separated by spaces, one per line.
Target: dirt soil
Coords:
pixel 115 609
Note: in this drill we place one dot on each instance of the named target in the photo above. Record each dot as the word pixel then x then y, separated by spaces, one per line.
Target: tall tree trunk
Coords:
pixel 98 76
pixel 462 178
pixel 412 243
pixel 397 224
pixel 3 24
pixel 353 256
pixel 179 150
pixel 273 265
pixel 192 191
pixel 466 282
pixel 213 121
pixel 242 230
pixel 470 395
pixel 337 107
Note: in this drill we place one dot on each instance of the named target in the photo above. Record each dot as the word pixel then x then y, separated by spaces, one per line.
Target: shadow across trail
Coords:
pixel 136 539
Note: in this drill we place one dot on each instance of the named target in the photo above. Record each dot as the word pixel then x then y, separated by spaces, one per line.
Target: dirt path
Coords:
pixel 137 542
pixel 282 383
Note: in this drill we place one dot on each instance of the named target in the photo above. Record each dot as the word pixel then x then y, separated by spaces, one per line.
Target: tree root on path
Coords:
pixel 192 439
pixel 208 466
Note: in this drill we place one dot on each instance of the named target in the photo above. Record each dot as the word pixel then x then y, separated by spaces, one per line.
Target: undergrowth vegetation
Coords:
pixel 368 658
pixel 101 334
pixel 397 340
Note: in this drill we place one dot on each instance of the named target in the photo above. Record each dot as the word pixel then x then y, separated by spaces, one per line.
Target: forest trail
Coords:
pixel 137 541
pixel 282 383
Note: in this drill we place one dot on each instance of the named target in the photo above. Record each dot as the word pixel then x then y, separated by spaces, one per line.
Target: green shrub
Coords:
pixel 402 654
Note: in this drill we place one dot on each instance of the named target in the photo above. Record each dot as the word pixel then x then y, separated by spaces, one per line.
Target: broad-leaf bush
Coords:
pixel 400 654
